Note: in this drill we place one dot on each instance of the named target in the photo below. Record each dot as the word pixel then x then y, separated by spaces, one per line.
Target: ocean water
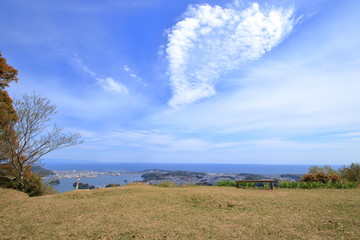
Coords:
pixel 66 184
pixel 199 167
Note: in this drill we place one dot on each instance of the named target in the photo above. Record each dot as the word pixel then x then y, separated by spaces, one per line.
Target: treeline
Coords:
pixel 317 177
pixel 162 176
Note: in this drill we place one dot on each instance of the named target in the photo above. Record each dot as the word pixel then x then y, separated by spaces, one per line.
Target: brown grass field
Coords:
pixel 150 212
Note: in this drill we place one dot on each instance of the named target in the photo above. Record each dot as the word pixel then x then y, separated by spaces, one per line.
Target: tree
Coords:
pixel 351 173
pixel 7 113
pixel 326 170
pixel 8 116
pixel 33 138
pixel 7 73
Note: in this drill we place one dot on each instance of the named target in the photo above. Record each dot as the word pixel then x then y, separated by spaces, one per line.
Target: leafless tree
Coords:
pixel 34 137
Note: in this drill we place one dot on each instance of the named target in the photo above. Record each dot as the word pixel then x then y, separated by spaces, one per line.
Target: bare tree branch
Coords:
pixel 33 138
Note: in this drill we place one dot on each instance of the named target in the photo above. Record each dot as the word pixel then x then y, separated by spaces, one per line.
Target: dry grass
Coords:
pixel 9 195
pixel 148 212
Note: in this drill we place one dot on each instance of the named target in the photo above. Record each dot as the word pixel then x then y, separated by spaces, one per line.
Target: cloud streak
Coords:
pixel 134 76
pixel 211 41
pixel 108 84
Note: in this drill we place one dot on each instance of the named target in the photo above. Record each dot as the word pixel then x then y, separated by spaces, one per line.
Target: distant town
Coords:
pixel 156 176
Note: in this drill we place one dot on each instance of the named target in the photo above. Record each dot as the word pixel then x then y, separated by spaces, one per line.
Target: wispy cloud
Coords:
pixel 134 76
pixel 89 7
pixel 108 84
pixel 153 140
pixel 346 137
pixel 210 41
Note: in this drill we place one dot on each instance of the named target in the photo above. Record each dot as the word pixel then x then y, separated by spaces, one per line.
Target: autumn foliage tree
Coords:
pixel 7 112
pixel 8 115
pixel 26 134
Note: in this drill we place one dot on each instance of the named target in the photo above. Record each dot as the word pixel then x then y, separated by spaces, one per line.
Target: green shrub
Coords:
pixel 352 185
pixel 231 183
pixel 313 185
pixel 306 185
pixel 284 184
pixel 246 185
pixel 226 183
pixel 294 184
pixel 34 185
pixel 7 183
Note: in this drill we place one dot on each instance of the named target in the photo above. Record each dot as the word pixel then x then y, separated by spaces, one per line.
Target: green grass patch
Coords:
pixel 313 185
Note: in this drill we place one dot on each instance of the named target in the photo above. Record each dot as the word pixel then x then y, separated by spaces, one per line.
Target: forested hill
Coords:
pixel 41 171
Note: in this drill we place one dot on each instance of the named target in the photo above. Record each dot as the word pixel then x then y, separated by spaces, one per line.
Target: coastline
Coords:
pixel 154 176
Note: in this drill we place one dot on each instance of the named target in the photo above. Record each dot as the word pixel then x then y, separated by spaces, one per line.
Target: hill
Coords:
pixel 42 171
pixel 10 195
pixel 150 212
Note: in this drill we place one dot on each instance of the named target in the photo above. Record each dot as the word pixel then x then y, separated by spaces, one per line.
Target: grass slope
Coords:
pixel 149 212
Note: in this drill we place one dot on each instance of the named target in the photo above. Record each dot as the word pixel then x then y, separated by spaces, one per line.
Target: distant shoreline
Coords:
pixel 196 167
pixel 157 176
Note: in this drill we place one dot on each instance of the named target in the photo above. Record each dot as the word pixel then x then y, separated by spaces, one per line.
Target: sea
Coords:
pixel 129 171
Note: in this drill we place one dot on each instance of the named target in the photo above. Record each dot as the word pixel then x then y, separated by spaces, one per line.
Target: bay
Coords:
pixel 129 170
pixel 66 184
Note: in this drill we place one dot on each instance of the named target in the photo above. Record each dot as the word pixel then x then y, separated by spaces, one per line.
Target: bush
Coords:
pixel 34 186
pixel 7 183
pixel 326 169
pixel 312 185
pixel 287 184
pixel 112 185
pixel 309 178
pixel 226 183
pixel 351 173
pixel 334 178
pixel 320 177
pixel 246 185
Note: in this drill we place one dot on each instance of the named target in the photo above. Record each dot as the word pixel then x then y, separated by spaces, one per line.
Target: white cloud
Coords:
pixel 346 135
pixel 108 84
pixel 126 68
pixel 134 76
pixel 279 100
pixel 211 41
pixel 153 140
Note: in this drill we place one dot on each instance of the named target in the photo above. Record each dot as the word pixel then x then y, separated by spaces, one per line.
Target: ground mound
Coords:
pixel 7 195
pixel 192 212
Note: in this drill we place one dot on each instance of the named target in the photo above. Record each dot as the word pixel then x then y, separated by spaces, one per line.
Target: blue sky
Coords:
pixel 273 82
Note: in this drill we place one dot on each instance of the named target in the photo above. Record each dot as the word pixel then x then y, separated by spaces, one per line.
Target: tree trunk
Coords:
pixel 22 182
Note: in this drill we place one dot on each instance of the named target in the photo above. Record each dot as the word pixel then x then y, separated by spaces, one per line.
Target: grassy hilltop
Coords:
pixel 149 212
